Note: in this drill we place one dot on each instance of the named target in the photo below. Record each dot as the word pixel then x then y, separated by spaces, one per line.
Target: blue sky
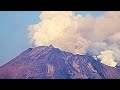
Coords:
pixel 13 31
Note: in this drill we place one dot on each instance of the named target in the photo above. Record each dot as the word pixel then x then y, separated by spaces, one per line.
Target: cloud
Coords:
pixel 79 34
pixel 115 38
pixel 106 25
pixel 59 28
pixel 107 57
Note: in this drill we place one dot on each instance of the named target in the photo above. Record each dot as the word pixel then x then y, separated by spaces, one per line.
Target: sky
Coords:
pixel 14 34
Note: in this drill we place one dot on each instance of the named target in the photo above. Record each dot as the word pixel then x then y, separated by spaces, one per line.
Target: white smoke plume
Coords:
pixel 59 28
pixel 79 34
pixel 107 57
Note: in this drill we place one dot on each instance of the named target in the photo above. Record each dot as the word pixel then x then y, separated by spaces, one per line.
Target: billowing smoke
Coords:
pixel 107 57
pixel 59 28
pixel 97 36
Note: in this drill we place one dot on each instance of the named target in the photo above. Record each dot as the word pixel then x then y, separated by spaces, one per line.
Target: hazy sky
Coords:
pixel 13 31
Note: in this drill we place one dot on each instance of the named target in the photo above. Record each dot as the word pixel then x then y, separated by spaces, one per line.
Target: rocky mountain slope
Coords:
pixel 47 62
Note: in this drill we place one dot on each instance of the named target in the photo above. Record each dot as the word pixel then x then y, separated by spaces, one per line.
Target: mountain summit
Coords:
pixel 47 62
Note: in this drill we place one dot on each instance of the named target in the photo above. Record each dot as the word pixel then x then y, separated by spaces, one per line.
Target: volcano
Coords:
pixel 47 62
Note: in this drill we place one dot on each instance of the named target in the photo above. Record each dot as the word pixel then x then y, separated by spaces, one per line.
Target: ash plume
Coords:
pixel 79 34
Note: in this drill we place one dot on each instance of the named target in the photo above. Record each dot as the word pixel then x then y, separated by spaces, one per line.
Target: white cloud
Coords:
pixel 59 28
pixel 107 57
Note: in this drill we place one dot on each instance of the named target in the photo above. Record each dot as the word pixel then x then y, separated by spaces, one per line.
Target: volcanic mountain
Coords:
pixel 47 62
